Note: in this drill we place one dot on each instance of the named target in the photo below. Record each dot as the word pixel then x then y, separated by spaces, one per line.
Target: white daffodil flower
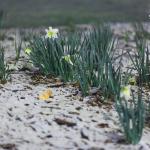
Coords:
pixel 28 51
pixel 125 92
pixel 67 58
pixel 51 33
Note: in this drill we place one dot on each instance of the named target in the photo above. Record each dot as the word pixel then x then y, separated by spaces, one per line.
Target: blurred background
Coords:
pixel 36 13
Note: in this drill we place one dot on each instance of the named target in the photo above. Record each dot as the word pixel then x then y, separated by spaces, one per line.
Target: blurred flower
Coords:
pixel 28 51
pixel 125 92
pixel 67 58
pixel 51 33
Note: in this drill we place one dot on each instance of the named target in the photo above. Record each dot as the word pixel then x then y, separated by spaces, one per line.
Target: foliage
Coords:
pixel 85 58
pixel 48 55
pixel 18 47
pixel 4 70
pixel 131 114
pixel 147 113
pixel 95 67
pixel 141 61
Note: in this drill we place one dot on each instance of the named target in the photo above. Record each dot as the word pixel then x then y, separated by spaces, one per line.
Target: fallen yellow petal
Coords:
pixel 45 95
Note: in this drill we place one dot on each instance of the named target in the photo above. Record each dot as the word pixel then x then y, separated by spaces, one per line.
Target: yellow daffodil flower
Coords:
pixel 125 92
pixel 51 33
pixel 67 58
pixel 28 51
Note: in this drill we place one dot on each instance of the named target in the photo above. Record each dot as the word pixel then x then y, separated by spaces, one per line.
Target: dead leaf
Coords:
pixel 103 125
pixel 65 122
pixel 76 84
pixel 108 141
pixel 74 113
pixel 8 146
pixel 45 95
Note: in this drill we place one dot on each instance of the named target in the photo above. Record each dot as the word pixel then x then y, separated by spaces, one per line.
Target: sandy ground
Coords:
pixel 66 121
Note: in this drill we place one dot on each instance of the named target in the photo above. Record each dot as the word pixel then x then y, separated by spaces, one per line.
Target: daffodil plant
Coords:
pixel 95 65
pixel 141 61
pixel 131 111
pixel 87 59
pixel 54 54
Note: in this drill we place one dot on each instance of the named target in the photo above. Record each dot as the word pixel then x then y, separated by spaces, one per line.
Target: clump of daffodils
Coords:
pixel 51 33
pixel 125 92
